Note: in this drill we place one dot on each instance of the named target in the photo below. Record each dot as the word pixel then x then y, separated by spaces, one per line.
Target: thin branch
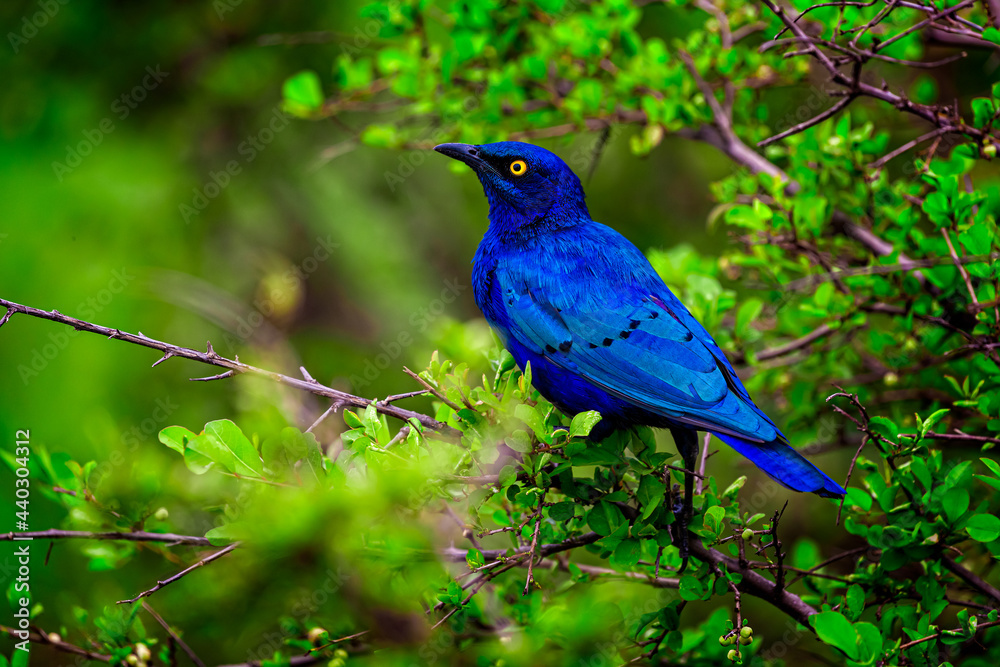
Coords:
pixel 237 367
pixel 45 639
pixel 699 483
pixel 936 635
pixel 971 578
pixel 815 120
pixel 169 580
pixel 958 264
pixel 534 544
pixel 907 146
pixel 180 642
pixel 794 346
pixel 138 536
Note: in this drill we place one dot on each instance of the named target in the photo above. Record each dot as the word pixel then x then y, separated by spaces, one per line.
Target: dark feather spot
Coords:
pixel 510 302
pixel 688 336
pixel 607 341
pixel 633 324
pixel 624 334
pixel 591 346
pixel 550 349
pixel 565 345
pixel 653 315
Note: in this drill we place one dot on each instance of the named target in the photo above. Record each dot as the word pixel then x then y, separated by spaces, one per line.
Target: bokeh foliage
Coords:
pixel 366 528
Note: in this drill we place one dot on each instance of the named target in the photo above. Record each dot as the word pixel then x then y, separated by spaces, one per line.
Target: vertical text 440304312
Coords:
pixel 21 600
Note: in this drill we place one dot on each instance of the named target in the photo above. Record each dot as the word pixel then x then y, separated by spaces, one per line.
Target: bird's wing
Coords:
pixel 638 343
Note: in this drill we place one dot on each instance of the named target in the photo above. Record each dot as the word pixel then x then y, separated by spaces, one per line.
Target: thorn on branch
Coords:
pixel 220 376
pixel 166 355
pixel 7 315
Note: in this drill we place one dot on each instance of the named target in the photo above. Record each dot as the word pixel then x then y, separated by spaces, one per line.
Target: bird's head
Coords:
pixel 524 184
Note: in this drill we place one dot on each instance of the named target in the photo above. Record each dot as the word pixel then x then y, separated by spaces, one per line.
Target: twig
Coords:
pixel 169 580
pixel 45 638
pixel 138 536
pixel 237 367
pixel 971 578
pixel 958 264
pixel 699 483
pixel 432 389
pixel 905 147
pixel 336 405
pixel 815 120
pixel 981 626
pixel 180 642
pixel 534 544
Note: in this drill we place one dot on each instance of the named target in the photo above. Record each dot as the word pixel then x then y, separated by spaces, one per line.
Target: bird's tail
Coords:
pixel 786 466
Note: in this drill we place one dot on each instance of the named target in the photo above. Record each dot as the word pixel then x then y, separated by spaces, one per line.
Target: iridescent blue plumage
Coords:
pixel 600 328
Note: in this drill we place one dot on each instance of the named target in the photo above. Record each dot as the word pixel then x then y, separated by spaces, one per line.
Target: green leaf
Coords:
pixel 562 511
pixel 282 453
pixel 929 423
pixel 583 423
pixel 977 239
pixel 885 427
pixel 691 588
pixel 529 415
pixel 650 491
pixel 747 313
pixel 835 630
pixel 223 443
pixel 983 527
pixel 176 438
pixel 869 642
pixel 992 465
pixel 955 503
pixel 519 441
pixel 982 111
pixel 507 476
pixel 474 558
pixel 352 420
pixel 859 498
pixel 855 599
pixel 224 534
pixel 626 554
pixel 713 518
pixel 605 518
pixel 303 93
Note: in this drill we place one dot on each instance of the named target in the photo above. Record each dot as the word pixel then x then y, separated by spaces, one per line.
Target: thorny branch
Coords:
pixel 233 366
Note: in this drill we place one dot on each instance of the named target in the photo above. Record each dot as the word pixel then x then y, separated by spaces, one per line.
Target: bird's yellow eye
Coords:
pixel 518 167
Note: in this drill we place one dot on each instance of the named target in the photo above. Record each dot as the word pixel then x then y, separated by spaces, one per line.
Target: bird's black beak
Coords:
pixel 462 152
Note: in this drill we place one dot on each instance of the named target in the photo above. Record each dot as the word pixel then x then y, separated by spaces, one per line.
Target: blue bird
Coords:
pixel 582 305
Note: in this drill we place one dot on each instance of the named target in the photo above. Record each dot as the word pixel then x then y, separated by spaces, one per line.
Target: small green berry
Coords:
pixel 747 534
pixel 746 640
pixel 746 631
pixel 725 640
pixel 733 655
pixel 340 653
